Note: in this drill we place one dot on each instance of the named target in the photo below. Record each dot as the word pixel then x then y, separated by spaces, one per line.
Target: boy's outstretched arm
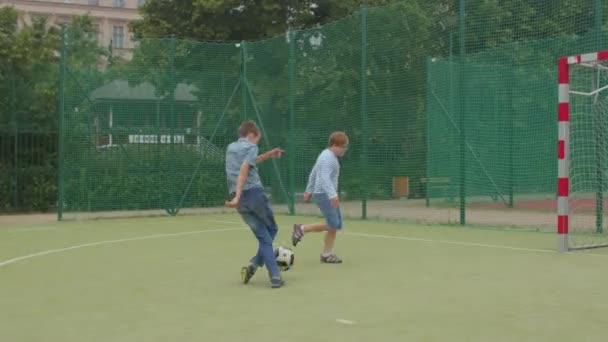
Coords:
pixel 274 153
pixel 240 182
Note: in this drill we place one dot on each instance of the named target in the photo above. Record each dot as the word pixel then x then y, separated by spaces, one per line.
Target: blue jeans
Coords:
pixel 255 210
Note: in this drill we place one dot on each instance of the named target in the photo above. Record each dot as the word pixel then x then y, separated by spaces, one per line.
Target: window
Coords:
pixel 94 2
pixel 141 3
pixel 119 3
pixel 118 34
pixel 96 34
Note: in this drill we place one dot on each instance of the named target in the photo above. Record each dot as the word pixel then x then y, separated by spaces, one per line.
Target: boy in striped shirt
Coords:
pixel 323 188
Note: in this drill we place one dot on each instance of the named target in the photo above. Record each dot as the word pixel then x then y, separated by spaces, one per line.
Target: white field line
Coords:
pixel 380 236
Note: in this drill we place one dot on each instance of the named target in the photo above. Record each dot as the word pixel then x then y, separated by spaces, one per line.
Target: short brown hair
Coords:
pixel 338 139
pixel 248 127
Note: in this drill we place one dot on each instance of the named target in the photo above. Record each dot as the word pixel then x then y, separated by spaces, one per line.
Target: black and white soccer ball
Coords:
pixel 285 257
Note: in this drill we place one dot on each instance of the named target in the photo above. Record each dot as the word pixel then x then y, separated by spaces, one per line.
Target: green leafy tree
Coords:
pixel 29 77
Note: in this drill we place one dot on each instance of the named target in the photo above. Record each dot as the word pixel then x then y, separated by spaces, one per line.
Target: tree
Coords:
pixel 236 20
pixel 29 77
pixel 27 73
pixel 29 67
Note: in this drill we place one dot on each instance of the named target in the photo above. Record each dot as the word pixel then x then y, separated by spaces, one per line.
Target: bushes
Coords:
pixel 132 177
pixel 28 178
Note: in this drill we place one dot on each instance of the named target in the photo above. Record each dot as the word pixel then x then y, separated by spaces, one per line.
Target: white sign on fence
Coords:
pixel 154 139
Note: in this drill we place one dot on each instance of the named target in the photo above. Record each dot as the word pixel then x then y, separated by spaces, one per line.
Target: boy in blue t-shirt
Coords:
pixel 249 199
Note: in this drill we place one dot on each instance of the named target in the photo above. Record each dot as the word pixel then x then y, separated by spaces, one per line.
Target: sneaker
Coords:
pixel 330 259
pixel 247 273
pixel 275 283
pixel 298 233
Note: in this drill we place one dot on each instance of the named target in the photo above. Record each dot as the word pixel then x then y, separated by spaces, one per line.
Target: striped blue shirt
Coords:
pixel 324 175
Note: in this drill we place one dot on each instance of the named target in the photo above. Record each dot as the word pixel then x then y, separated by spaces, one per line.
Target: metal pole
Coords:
pixel 598 24
pixel 364 118
pixel 61 147
pixel 292 125
pixel 15 171
pixel 244 78
pixel 462 32
pixel 172 208
pixel 511 143
pixel 599 137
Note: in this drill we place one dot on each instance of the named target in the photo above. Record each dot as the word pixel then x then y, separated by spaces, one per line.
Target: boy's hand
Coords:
pixel 307 196
pixel 234 203
pixel 276 152
pixel 335 201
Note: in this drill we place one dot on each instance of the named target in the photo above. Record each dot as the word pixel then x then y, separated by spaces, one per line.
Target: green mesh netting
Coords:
pixel 436 136
pixel 589 147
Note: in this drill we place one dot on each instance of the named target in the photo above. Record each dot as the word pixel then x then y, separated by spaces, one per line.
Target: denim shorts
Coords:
pixel 333 216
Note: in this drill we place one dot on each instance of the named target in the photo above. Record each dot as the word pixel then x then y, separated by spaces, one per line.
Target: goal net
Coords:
pixel 583 151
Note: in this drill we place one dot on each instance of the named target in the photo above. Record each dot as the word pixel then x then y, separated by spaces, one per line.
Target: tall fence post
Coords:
pixel 244 84
pixel 61 147
pixel 462 33
pixel 599 135
pixel 172 207
pixel 598 22
pixel 511 139
pixel 14 127
pixel 364 118
pixel 292 125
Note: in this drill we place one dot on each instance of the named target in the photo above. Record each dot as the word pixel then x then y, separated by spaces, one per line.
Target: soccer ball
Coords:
pixel 285 257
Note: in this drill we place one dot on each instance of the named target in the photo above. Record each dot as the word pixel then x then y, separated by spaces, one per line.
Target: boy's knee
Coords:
pixel 264 237
pixel 273 230
pixel 266 242
pixel 250 220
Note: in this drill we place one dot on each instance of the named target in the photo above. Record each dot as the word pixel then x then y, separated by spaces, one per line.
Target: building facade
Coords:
pixel 110 17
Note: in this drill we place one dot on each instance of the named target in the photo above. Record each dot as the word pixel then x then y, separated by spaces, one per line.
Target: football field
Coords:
pixel 177 279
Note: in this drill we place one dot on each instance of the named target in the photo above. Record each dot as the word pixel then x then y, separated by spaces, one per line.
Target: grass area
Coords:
pixel 177 279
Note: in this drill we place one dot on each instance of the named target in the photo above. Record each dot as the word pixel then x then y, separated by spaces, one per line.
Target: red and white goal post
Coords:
pixel 582 150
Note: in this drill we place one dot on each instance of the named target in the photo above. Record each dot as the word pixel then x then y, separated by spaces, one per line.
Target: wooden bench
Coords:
pixel 441 184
